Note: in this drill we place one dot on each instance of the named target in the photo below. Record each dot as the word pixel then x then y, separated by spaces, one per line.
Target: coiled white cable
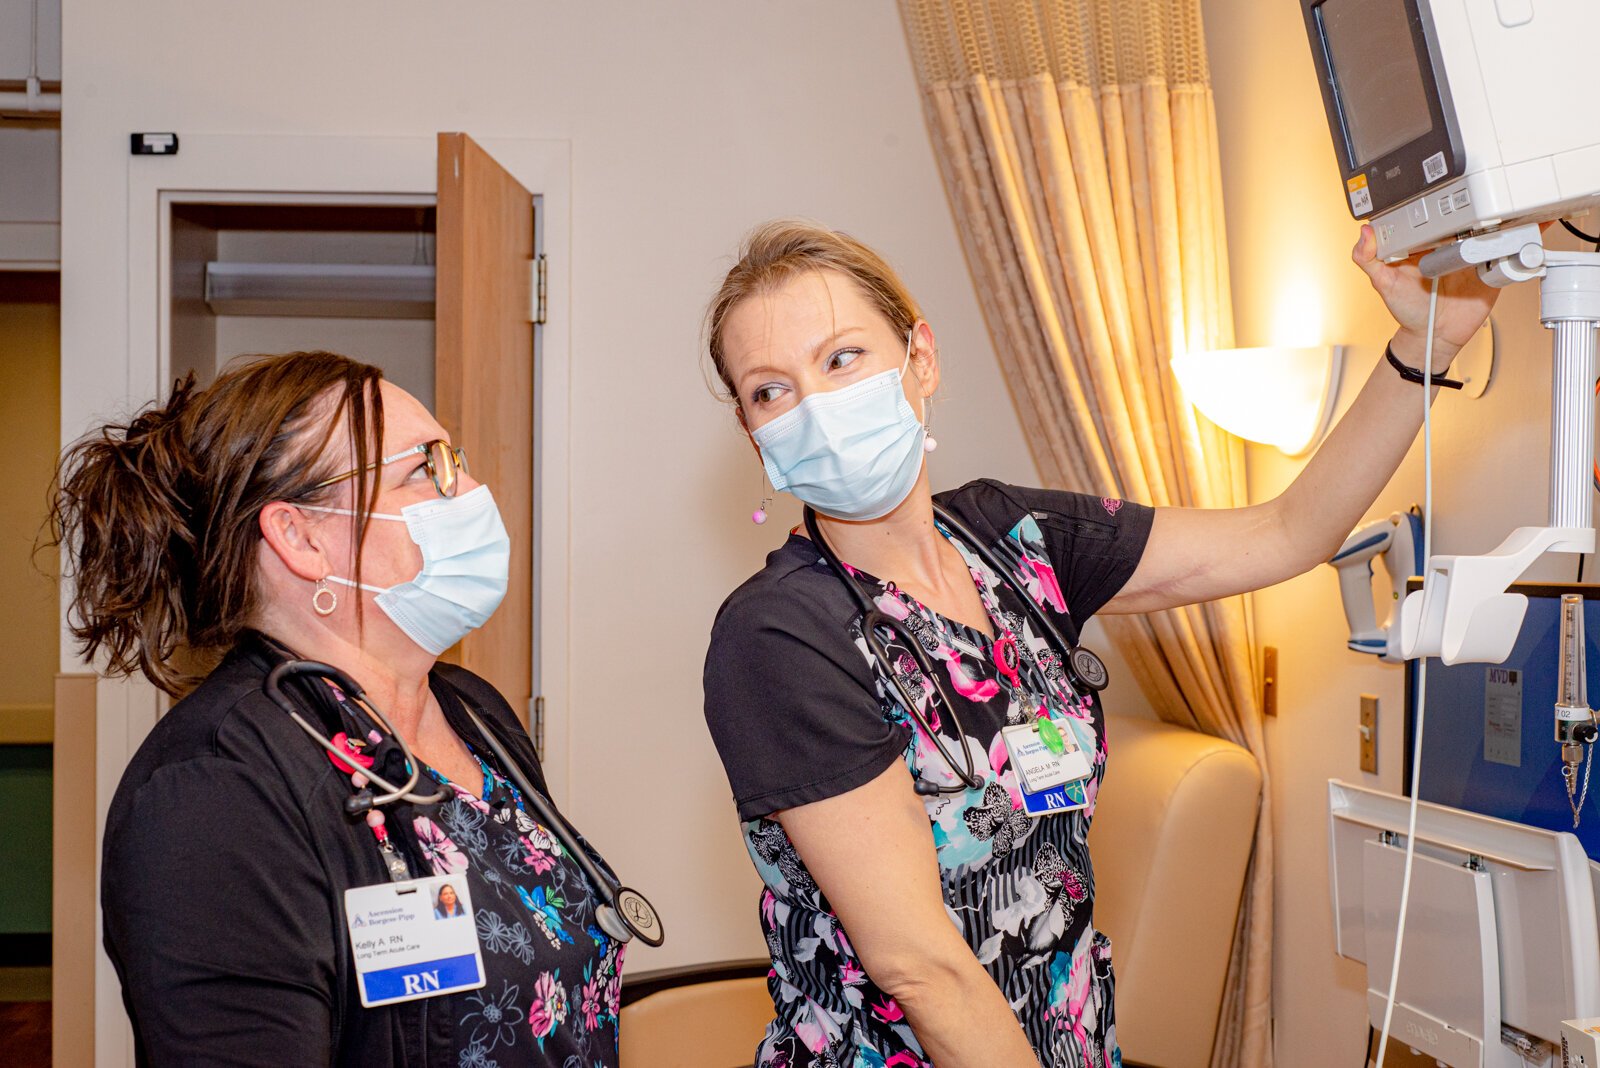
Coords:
pixel 1422 675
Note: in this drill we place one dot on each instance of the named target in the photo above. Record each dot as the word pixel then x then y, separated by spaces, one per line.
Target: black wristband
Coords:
pixel 1411 374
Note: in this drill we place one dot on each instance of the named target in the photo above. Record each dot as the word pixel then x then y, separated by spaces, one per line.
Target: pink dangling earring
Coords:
pixel 759 516
pixel 317 604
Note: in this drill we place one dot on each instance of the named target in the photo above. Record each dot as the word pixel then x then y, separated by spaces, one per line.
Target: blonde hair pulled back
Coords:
pixel 777 251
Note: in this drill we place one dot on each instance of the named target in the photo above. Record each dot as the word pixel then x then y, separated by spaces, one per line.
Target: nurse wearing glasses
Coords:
pixel 299 506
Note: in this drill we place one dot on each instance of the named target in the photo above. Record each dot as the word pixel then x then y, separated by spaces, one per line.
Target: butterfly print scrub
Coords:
pixel 801 712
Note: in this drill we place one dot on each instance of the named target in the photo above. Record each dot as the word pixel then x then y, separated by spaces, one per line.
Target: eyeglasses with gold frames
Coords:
pixel 446 463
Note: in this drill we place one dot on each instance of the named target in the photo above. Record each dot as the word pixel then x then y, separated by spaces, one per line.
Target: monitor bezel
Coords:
pixel 1396 177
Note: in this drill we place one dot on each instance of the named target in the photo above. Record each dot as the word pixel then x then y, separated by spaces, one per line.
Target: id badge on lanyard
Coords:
pixel 1051 783
pixel 412 939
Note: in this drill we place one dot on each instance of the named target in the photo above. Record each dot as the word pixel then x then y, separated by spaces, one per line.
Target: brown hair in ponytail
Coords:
pixel 160 517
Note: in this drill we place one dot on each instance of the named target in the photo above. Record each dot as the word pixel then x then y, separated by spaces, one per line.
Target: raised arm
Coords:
pixel 871 853
pixel 1200 554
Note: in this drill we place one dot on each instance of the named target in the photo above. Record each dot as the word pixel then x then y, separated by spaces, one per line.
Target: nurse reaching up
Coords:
pixel 916 793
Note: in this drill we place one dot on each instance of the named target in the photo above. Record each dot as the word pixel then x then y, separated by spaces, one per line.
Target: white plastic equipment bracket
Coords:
pixel 1502 257
pixel 1463 614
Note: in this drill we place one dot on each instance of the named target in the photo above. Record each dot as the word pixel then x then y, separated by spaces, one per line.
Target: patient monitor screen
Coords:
pixel 1377 76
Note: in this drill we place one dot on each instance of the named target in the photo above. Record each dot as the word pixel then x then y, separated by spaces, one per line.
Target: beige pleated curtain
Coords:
pixel 1077 141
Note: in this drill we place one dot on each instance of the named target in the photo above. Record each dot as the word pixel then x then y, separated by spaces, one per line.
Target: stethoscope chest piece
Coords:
pixel 633 917
pixel 1088 669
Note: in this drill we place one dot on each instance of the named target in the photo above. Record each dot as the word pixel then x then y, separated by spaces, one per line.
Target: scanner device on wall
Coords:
pixel 1397 540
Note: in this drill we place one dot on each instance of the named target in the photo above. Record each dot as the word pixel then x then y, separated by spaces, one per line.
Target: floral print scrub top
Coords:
pixel 554 978
pixel 800 712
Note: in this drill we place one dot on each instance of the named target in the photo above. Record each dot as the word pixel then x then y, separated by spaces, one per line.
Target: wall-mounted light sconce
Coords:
pixel 1275 396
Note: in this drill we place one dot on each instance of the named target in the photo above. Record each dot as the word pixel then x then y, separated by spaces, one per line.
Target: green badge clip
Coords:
pixel 1051 736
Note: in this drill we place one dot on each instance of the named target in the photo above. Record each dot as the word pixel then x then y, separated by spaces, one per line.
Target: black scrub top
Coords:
pixel 801 712
pixel 227 854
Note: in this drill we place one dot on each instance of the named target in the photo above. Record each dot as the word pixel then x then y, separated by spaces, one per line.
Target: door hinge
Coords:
pixel 540 297
pixel 538 728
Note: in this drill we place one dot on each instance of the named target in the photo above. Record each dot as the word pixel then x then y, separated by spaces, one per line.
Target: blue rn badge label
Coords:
pixel 1067 797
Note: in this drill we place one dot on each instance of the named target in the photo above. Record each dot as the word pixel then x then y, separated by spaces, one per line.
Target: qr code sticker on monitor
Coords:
pixel 1433 167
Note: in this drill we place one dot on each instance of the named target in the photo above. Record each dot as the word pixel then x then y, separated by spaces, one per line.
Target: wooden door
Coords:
pixel 484 380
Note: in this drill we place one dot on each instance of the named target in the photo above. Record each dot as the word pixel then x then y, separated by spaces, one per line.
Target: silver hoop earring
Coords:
pixel 316 599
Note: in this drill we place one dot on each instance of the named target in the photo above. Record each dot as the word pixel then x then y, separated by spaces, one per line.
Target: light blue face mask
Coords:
pixel 466 562
pixel 851 453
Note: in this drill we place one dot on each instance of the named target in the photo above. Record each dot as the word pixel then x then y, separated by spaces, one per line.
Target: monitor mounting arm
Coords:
pixel 1462 613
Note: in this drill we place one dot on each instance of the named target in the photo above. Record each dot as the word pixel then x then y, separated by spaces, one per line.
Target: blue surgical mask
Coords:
pixel 851 453
pixel 466 562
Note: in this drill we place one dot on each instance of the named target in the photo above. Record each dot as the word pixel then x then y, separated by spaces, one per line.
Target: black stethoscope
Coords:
pixel 1084 670
pixel 623 913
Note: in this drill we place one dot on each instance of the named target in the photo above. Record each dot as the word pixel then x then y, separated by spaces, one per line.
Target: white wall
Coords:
pixel 688 123
pixel 1289 243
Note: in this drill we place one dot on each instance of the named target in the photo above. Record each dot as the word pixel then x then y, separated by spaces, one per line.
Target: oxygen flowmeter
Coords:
pixel 1575 720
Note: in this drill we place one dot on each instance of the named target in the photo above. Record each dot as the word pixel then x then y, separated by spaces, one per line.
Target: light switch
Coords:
pixel 1269 680
pixel 1514 12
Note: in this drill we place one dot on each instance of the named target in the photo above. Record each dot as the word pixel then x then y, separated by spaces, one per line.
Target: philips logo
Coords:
pixel 1392 172
pixel 1424 1034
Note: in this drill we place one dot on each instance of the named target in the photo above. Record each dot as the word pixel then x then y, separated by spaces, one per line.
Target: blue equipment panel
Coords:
pixel 1464 698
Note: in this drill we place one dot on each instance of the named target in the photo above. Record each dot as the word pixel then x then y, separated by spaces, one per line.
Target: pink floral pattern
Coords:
pixel 888 1011
pixel 534 913
pixel 437 848
pixel 549 1008
pixel 538 861
pixel 614 993
pixel 593 1002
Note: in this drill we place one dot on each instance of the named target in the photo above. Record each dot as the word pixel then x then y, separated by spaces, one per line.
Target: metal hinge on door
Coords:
pixel 539 298
pixel 538 728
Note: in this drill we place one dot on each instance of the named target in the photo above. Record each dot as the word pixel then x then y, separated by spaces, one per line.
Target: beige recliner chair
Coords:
pixel 706 1017
pixel 1170 841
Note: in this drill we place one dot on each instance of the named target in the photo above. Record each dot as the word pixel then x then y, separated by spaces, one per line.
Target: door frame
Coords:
pixel 355 169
